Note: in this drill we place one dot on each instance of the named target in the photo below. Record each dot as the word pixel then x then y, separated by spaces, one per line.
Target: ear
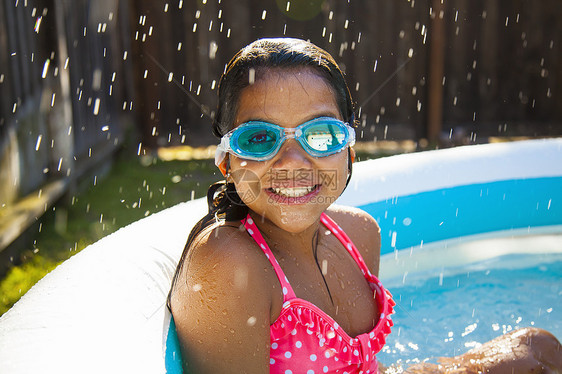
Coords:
pixel 223 166
pixel 352 154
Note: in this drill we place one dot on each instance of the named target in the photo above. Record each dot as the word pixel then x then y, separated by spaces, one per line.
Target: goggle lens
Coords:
pixel 325 137
pixel 257 140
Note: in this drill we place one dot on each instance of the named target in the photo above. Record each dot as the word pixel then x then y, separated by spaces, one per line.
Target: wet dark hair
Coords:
pixel 281 53
pixel 251 63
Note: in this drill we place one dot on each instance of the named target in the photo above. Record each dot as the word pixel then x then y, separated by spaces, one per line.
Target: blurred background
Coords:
pixel 106 105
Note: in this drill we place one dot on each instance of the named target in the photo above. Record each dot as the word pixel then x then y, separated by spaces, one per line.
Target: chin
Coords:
pixel 293 215
pixel 295 221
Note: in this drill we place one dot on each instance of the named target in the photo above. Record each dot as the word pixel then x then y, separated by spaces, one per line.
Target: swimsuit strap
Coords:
pixel 347 243
pixel 288 292
pixel 252 229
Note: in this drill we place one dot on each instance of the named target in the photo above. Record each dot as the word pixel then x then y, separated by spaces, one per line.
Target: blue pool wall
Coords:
pixel 463 211
pixel 461 192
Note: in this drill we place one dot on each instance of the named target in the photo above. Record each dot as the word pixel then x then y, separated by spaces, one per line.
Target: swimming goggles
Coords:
pixel 259 140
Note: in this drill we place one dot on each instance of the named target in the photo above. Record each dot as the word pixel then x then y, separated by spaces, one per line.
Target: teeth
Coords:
pixel 293 192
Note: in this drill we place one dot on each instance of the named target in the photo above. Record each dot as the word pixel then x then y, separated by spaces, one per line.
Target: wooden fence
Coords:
pixel 73 72
pixel 65 95
pixel 417 68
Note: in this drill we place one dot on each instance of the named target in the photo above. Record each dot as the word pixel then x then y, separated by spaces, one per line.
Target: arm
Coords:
pixel 221 307
pixel 527 350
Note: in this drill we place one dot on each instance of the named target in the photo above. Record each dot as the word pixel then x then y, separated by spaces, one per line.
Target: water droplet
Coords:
pixel 37 24
pixel 38 144
pixel 213 47
pixel 97 106
pixel 45 68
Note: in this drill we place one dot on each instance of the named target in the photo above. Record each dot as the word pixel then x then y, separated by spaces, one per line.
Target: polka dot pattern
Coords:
pixel 305 339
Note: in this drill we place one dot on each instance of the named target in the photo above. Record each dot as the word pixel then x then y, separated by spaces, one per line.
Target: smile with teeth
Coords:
pixel 294 191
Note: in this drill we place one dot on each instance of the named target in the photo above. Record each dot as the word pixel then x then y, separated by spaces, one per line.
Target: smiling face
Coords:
pixel 293 188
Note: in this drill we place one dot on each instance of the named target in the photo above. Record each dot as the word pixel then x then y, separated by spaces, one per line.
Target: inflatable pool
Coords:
pixel 103 310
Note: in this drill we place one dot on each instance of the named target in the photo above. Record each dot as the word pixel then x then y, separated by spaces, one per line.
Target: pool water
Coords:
pixel 446 314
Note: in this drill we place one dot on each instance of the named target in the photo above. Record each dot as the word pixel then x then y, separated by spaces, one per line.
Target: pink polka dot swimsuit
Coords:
pixel 304 339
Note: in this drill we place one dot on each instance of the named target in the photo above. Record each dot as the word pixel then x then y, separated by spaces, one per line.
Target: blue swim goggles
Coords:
pixel 259 141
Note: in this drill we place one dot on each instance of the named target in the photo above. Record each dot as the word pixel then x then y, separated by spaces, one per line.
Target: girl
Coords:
pixel 268 281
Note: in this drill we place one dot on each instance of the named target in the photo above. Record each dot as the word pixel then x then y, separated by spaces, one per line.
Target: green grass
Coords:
pixel 134 188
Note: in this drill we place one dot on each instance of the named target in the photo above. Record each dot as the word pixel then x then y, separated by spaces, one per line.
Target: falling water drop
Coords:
pixel 213 47
pixel 251 76
pixel 37 24
pixel 96 106
pixel 45 68
pixel 38 143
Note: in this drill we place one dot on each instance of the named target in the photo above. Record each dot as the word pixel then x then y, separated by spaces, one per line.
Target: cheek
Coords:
pixel 247 177
pixel 333 175
pixel 248 185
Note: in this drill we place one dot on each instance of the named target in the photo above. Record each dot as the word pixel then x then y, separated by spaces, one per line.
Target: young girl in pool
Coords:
pixel 276 279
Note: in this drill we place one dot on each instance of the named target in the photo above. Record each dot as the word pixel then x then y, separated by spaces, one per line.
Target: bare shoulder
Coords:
pixel 222 243
pixel 354 220
pixel 362 229
pixel 223 297
pixel 226 257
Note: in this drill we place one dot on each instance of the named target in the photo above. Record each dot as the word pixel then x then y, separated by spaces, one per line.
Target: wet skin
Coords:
pixel 289 99
pixel 523 351
pixel 229 295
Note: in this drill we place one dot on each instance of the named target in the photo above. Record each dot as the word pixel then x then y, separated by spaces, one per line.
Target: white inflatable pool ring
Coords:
pixel 103 310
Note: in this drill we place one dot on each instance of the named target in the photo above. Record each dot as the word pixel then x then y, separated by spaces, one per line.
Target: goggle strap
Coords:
pixel 222 149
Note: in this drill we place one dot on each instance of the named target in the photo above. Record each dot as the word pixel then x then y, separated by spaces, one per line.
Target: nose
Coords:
pixel 292 156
